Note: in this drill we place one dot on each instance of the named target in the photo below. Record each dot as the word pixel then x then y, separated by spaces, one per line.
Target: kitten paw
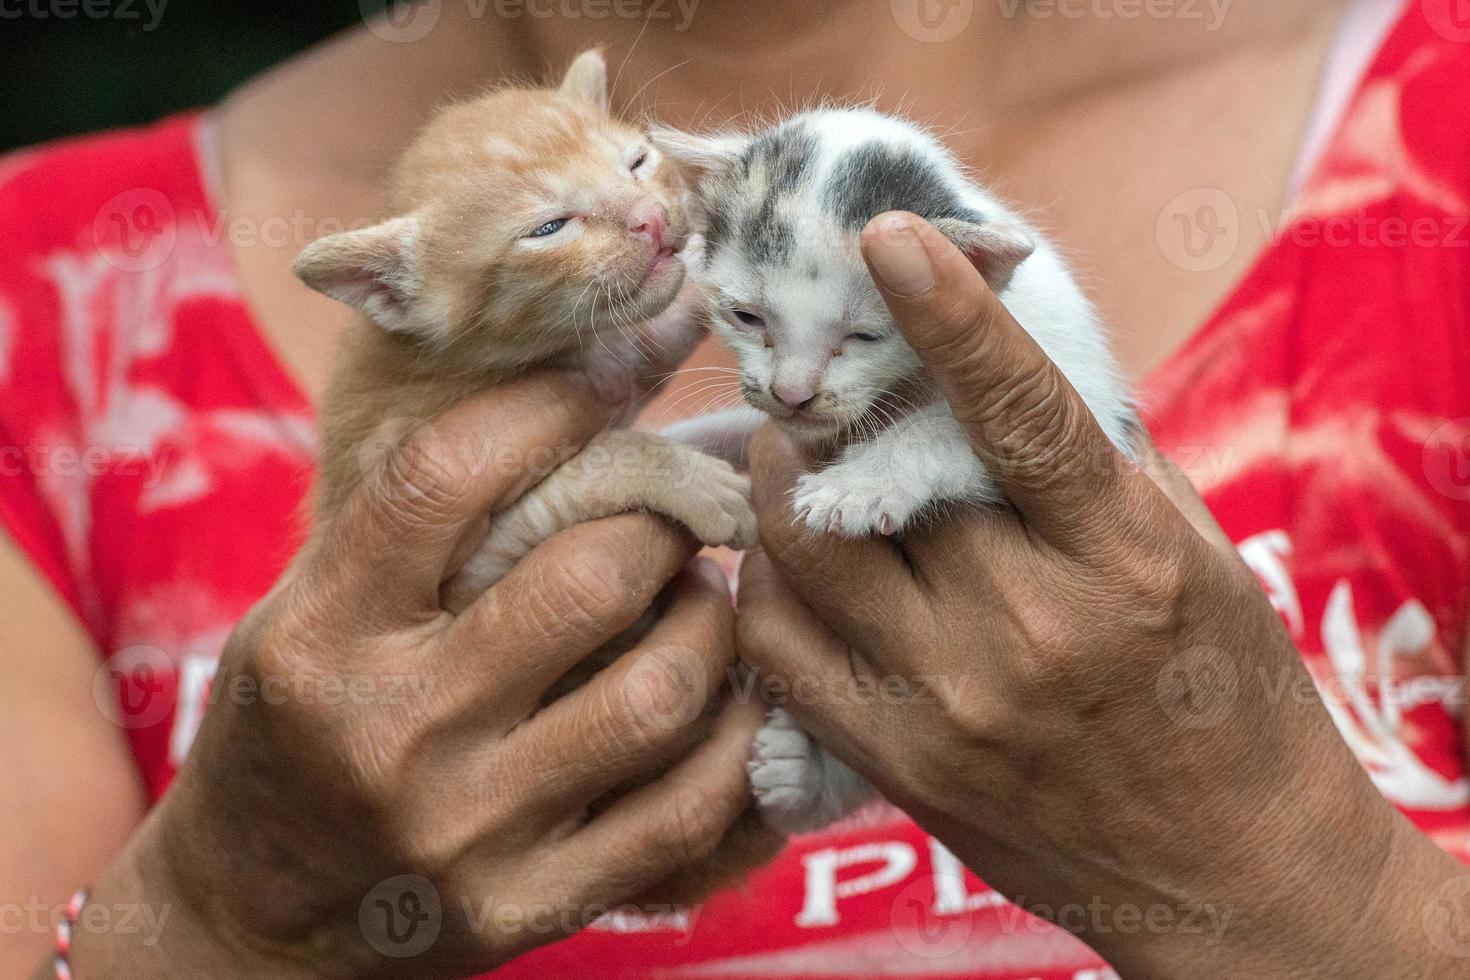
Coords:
pixel 833 503
pixel 799 786
pixel 713 501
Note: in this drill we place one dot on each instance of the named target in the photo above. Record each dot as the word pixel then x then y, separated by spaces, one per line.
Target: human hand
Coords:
pixel 283 846
pixel 1073 693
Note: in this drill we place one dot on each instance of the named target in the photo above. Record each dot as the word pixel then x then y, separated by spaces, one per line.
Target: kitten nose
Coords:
pixel 649 219
pixel 794 396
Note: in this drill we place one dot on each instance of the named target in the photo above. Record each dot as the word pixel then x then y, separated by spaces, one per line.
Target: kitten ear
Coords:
pixel 374 271
pixel 586 80
pixel 994 248
pixel 698 158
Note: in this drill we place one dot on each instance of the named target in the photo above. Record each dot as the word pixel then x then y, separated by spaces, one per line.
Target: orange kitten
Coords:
pixel 530 229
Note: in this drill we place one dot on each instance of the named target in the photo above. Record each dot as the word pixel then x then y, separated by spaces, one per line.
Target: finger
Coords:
pixel 391 542
pixel 669 825
pixel 804 667
pixel 1182 494
pixel 1023 418
pixel 572 595
pixel 972 555
pixel 640 712
pixel 859 586
pixel 851 708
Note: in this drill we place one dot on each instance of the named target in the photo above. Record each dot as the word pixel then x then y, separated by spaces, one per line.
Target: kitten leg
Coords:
pixel 800 786
pixel 618 471
pixel 724 435
pixel 878 486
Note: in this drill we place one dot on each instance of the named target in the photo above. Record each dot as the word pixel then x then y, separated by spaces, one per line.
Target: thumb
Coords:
pixel 1024 420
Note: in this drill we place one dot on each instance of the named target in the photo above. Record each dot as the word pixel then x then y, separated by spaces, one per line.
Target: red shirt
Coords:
pixel 155 454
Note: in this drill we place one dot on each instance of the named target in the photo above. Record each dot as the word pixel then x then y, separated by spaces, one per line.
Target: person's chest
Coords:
pixel 1161 190
pixel 1152 194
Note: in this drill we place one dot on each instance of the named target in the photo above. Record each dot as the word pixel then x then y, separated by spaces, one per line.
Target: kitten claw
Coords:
pixel 837 501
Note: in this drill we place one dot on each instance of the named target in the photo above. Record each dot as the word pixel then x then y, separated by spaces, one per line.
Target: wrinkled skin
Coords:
pixel 294 808
pixel 1075 693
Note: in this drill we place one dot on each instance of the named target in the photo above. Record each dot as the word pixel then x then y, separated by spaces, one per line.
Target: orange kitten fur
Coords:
pixel 459 293
pixel 530 229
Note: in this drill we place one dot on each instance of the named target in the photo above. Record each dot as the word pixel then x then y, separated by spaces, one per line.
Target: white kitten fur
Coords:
pixel 792 298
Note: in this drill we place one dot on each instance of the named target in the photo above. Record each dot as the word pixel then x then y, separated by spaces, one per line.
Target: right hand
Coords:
pixel 359 734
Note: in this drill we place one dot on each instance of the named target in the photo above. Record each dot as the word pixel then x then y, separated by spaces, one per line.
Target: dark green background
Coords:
pixel 60 76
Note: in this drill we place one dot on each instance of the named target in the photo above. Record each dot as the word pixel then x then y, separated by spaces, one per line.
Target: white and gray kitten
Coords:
pixel 781 212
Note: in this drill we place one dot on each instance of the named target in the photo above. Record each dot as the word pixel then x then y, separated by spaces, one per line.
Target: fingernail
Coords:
pixel 899 259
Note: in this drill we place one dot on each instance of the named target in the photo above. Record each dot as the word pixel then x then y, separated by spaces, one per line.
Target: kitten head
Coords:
pixel 525 219
pixel 782 213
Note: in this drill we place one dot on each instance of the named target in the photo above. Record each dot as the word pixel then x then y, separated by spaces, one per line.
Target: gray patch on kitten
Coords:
pixel 780 161
pixel 879 177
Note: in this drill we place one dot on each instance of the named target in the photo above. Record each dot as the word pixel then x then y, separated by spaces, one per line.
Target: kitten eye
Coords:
pixel 642 159
pixel 867 338
pixel 550 228
pixel 748 318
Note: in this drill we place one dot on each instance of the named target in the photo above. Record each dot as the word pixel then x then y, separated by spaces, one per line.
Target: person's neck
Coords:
pixel 317 135
pixel 364 94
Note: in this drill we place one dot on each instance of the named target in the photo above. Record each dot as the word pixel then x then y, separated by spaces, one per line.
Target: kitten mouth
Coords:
pixel 659 264
pixel 806 420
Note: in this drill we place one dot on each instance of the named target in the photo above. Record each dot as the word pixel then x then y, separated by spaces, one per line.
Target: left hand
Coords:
pixel 1081 695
